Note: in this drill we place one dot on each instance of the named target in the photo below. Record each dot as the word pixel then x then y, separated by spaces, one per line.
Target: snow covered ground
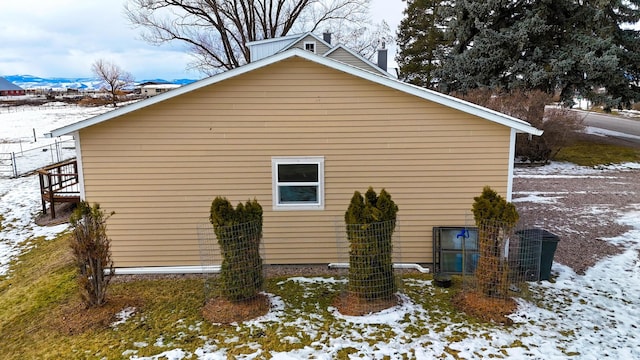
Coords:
pixel 20 198
pixel 22 135
pixel 590 316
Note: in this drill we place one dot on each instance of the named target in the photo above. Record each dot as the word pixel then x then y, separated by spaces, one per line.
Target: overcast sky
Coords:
pixel 62 38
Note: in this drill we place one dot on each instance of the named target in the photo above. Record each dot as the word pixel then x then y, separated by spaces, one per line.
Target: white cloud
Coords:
pixel 63 38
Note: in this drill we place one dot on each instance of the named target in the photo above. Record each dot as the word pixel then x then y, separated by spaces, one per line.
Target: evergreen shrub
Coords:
pixel 370 222
pixel 495 219
pixel 239 232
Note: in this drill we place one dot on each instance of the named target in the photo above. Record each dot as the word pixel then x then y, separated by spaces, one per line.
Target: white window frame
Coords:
pixel 316 160
pixel 312 43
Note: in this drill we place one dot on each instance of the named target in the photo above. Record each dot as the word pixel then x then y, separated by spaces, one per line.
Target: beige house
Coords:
pixel 300 132
pixel 155 89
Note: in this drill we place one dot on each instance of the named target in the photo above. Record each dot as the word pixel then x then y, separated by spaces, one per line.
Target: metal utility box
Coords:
pixel 455 249
pixel 537 249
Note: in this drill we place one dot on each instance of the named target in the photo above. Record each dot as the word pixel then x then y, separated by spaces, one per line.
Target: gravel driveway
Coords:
pixel 578 204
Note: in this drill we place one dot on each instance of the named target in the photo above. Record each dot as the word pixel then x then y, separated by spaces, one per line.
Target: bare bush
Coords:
pixel 560 125
pixel 92 252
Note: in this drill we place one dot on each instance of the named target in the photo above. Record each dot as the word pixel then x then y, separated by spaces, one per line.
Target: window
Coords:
pixel 310 46
pixel 298 183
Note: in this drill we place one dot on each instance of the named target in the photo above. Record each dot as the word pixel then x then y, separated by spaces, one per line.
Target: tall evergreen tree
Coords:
pixel 420 39
pixel 565 46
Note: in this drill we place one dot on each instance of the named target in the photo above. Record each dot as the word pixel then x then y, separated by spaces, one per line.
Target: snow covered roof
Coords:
pixel 8 85
pixel 430 95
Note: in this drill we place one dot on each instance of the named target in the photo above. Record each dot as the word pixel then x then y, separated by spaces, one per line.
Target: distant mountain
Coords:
pixel 34 82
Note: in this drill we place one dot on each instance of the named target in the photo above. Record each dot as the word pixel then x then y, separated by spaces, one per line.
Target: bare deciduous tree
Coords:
pixel 216 31
pixel 114 76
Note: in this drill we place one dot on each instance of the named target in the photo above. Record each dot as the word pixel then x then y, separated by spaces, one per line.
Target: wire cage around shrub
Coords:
pixel 506 261
pixel 232 261
pixel 368 253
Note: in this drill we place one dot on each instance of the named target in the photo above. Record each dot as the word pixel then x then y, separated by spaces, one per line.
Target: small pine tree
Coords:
pixel 370 222
pixel 92 253
pixel 495 218
pixel 239 232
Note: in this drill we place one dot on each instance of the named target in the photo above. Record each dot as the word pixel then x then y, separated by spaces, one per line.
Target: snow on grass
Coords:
pixel 19 205
pixel 19 124
pixel 20 198
pixel 123 316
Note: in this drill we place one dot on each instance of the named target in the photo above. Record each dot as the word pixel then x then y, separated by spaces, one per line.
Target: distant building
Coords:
pixel 152 89
pixel 8 88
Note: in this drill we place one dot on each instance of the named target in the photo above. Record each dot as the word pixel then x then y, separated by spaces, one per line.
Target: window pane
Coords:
pixel 297 173
pixel 297 194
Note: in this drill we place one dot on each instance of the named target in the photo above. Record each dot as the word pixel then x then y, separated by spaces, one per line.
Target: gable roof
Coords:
pixel 356 55
pixel 430 95
pixel 264 48
pixel 316 37
pixel 8 85
pixel 267 47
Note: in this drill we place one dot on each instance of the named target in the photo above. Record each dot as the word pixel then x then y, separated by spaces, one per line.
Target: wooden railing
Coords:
pixel 59 183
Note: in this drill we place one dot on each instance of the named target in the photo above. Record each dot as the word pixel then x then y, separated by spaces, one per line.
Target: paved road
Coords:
pixel 625 129
pixel 614 126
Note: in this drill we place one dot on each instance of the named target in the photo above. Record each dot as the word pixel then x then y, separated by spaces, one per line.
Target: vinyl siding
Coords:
pixel 160 167
pixel 345 57
pixel 321 48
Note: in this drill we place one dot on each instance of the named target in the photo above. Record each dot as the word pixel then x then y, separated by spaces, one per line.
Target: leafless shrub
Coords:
pixel 560 125
pixel 92 252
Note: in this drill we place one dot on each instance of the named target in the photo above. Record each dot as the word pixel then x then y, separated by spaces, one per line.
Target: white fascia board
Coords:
pixel 512 160
pixel 76 138
pixel 439 98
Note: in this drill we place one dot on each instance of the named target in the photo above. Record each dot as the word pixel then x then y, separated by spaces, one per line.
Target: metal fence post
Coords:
pixel 57 144
pixel 14 165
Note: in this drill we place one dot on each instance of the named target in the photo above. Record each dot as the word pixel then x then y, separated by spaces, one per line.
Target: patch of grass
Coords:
pixel 39 281
pixel 593 154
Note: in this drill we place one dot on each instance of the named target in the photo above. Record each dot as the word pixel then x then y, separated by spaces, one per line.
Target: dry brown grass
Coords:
pixel 350 304
pixel 485 308
pixel 75 318
pixel 222 311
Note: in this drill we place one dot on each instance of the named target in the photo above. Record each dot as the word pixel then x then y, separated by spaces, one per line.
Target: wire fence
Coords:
pixel 14 164
pixel 500 261
pixel 31 105
pixel 237 250
pixel 367 255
